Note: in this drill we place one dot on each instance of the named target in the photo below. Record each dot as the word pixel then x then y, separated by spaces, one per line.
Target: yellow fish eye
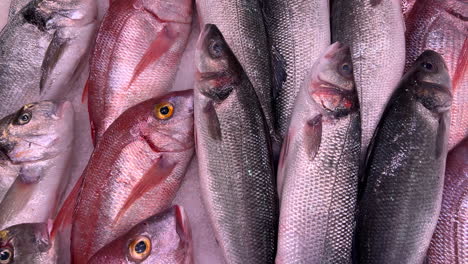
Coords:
pixel 6 255
pixel 140 248
pixel 164 110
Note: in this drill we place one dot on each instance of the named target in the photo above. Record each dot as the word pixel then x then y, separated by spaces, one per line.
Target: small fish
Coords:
pixel 161 239
pixel 38 139
pixel 404 176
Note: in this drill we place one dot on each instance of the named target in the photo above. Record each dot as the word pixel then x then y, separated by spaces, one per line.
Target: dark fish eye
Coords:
pixel 140 247
pixel 6 255
pixel 164 110
pixel 346 69
pixel 427 66
pixel 216 49
pixel 24 118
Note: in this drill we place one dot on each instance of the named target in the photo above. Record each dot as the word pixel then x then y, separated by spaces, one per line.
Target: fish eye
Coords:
pixel 164 110
pixel 216 49
pixel 140 248
pixel 346 69
pixel 24 118
pixel 6 255
pixel 428 66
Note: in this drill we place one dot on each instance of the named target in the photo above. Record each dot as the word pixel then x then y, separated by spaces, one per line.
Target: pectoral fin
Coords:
pixel 54 53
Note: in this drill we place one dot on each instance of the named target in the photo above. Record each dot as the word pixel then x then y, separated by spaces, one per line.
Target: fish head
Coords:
pixel 37 131
pixel 163 238
pixel 218 69
pixel 431 82
pixel 26 243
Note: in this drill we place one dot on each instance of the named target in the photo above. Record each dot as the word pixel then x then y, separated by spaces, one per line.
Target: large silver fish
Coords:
pixel 235 167
pixel 319 165
pixel 405 168
pixel 38 138
pixel 43 50
pixel 374 30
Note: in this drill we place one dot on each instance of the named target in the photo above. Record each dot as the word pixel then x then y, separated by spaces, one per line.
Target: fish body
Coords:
pixel 401 197
pixel 134 171
pixel 38 139
pixel 374 30
pixel 235 167
pixel 298 31
pixel 449 243
pixel 136 56
pixel 319 165
pixel 442 26
pixel 8 173
pixel 43 51
pixel 161 239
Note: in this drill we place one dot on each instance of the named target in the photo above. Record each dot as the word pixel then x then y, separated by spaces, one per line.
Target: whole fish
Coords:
pixel 241 24
pixel 137 52
pixel 235 163
pixel 405 168
pixel 8 173
pixel 319 165
pixel 449 243
pixel 38 139
pixel 442 26
pixel 43 51
pixel 299 32
pixel 134 171
pixel 163 238
pixel 26 243
pixel 374 30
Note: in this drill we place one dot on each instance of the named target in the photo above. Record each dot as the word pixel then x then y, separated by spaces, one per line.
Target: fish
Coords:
pixel 38 139
pixel 27 243
pixel 449 242
pixel 8 173
pixel 43 51
pixel 136 56
pixel 319 165
pixel 234 153
pixel 133 173
pixel 406 7
pixel 375 32
pixel 162 238
pixel 442 26
pixel 16 6
pixel 401 190
pixel 298 31
pixel 242 25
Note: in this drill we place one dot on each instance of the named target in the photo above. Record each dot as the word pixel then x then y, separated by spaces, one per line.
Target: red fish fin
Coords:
pixel 313 134
pixel 93 133
pixel 462 65
pixel 159 47
pixel 159 172
pixel 84 96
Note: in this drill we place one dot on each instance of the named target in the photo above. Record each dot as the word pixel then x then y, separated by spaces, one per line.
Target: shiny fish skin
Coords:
pixel 405 169
pixel 41 149
pixel 136 56
pixel 235 167
pixel 300 32
pixel 8 173
pixel 319 164
pixel 374 29
pixel 169 233
pixel 43 51
pixel 241 23
pixel 134 172
pixel 442 26
pixel 449 243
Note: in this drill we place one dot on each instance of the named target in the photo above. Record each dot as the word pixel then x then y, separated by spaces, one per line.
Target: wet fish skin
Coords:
pixel 374 29
pixel 134 172
pixel 319 165
pixel 235 166
pixel 401 197
pixel 169 241
pixel 41 147
pixel 300 32
pixel 442 26
pixel 8 173
pixel 43 51
pixel 449 243
pixel 136 56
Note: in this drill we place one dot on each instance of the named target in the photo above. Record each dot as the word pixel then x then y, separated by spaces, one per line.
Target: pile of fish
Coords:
pixel 318 131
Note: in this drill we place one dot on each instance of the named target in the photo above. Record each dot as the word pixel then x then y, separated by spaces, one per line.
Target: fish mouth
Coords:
pixel 182 225
pixel 333 49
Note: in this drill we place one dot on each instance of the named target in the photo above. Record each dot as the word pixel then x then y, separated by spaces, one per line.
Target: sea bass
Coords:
pixel 235 158
pixel 38 138
pixel 137 52
pixel 405 168
pixel 241 24
pixel 43 51
pixel 374 30
pixel 449 243
pixel 319 165
pixel 161 239
pixel 442 26
pixel 299 32
pixel 134 171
